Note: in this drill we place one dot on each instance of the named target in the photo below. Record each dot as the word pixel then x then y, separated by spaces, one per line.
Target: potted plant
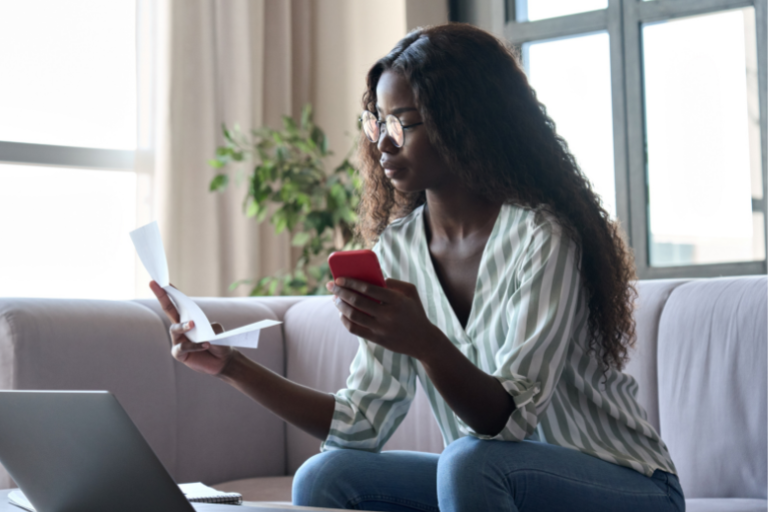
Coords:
pixel 290 185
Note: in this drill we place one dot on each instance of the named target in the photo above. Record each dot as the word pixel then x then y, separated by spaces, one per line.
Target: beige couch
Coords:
pixel 700 363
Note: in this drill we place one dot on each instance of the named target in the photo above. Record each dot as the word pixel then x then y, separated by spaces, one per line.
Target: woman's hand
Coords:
pixel 392 317
pixel 201 357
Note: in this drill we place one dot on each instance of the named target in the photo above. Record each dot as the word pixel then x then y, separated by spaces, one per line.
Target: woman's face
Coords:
pixel 417 165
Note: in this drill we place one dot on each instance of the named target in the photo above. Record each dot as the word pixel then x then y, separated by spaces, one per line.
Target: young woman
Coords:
pixel 508 296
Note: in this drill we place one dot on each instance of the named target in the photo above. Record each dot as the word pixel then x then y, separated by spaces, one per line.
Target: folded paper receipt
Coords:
pixel 149 246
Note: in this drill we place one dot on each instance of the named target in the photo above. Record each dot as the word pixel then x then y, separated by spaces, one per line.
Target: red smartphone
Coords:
pixel 362 265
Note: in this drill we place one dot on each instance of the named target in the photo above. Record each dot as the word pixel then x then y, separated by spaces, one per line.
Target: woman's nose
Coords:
pixel 385 144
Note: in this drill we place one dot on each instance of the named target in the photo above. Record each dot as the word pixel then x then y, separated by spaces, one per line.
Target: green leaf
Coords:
pixel 253 209
pixel 227 133
pixel 300 239
pixel 216 163
pixel 306 116
pixel 219 183
pixel 290 125
pixel 240 282
pixel 318 137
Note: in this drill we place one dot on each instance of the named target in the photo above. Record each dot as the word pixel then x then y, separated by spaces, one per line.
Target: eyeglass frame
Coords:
pixel 382 127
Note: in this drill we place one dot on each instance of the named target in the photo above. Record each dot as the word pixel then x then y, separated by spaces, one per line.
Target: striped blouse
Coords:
pixel 527 327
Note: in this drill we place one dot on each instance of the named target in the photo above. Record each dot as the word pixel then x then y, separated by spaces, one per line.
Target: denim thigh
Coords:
pixel 359 480
pixel 532 476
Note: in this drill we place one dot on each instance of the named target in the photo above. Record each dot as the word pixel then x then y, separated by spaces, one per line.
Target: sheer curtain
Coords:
pixel 207 62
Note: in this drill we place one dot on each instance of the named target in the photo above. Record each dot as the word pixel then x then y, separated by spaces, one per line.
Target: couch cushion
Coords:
pixel 116 346
pixel 278 305
pixel 712 382
pixel 652 296
pixel 319 352
pixel 725 505
pixel 270 488
pixel 222 434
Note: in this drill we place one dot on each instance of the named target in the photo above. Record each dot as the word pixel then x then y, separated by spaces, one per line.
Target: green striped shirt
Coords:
pixel 527 327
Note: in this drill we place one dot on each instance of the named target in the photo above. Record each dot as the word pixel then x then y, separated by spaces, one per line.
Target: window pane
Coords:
pixel 703 135
pixel 532 10
pixel 70 76
pixel 65 232
pixel 572 77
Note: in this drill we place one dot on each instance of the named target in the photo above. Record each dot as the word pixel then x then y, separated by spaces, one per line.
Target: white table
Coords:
pixel 246 506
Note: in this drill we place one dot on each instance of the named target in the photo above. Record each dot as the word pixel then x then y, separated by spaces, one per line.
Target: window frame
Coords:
pixel 623 20
pixel 67 156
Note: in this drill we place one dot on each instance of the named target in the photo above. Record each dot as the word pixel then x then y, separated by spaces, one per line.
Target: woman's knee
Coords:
pixel 326 479
pixel 472 475
pixel 461 460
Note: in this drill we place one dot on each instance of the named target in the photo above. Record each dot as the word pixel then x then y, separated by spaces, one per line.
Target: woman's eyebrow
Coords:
pixel 397 111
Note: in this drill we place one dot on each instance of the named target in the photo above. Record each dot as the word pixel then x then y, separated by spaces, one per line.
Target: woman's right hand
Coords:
pixel 201 357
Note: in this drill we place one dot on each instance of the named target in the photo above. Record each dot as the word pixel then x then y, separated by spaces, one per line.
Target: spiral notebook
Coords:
pixel 200 493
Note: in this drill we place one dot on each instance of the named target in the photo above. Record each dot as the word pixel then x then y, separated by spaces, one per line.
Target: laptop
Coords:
pixel 79 450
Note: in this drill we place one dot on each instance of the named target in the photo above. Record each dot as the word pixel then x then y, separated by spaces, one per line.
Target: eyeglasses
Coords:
pixel 391 125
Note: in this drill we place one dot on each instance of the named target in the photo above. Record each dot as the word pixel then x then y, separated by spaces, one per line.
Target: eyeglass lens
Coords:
pixel 372 128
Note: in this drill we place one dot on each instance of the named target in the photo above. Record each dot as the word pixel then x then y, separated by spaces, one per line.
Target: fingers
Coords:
pixel 181 351
pixel 355 315
pixel 354 299
pixel 370 290
pixel 179 331
pixel 165 302
pixel 358 330
pixel 403 287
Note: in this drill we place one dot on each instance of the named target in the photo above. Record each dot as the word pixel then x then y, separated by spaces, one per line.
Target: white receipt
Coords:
pixel 149 246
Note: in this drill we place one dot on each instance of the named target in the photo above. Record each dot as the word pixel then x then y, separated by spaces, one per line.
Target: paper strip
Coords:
pixel 149 246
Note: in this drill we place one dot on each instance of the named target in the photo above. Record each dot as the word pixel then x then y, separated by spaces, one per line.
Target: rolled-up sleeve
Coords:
pixel 541 312
pixel 379 391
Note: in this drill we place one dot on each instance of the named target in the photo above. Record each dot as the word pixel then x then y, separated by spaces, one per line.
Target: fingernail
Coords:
pixel 337 301
pixel 340 281
pixel 339 314
pixel 186 325
pixel 206 345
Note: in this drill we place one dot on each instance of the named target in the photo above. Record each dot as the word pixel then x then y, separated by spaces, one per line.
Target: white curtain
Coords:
pixel 207 62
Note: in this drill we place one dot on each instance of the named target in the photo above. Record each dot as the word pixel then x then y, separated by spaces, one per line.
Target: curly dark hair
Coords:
pixel 482 115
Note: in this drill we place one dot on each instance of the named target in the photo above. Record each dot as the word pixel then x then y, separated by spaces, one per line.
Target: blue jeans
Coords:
pixel 472 474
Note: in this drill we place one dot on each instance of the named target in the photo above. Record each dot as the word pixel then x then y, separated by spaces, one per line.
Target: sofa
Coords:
pixel 700 361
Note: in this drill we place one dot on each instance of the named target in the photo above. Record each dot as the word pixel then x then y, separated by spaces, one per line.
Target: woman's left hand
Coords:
pixel 392 317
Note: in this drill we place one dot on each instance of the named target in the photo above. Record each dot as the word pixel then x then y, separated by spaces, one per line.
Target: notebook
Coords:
pixel 200 493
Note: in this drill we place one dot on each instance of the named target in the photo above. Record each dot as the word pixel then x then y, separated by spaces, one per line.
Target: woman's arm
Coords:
pixel 476 397
pixel 306 408
pixel 310 410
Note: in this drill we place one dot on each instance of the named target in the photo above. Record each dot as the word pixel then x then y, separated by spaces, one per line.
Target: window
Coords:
pixel 678 122
pixel 67 141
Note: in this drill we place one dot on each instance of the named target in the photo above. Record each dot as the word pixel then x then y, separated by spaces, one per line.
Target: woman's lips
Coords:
pixel 390 172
